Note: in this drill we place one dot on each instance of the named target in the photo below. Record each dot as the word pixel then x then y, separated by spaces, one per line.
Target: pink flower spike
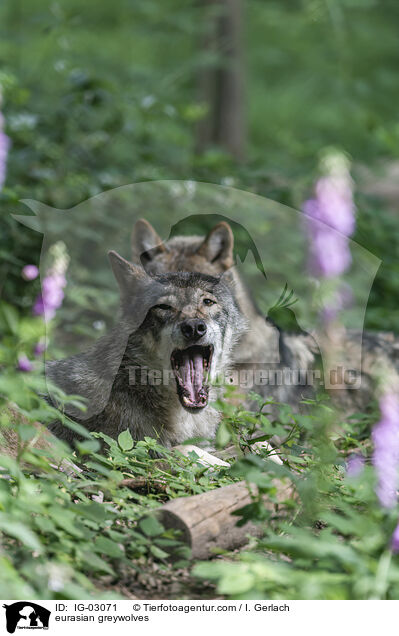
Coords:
pixel 4 148
pixel 395 540
pixel 385 436
pixel 330 219
pixel 38 307
pixel 30 272
pixel 40 348
pixel 355 465
pixel 24 364
pixel 53 284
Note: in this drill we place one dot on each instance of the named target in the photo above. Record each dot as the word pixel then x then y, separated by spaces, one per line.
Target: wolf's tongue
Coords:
pixel 192 371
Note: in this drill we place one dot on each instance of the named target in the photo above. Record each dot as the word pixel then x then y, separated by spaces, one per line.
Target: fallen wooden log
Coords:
pixel 206 520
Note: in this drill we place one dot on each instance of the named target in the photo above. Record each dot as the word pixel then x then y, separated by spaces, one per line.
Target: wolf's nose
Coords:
pixel 193 329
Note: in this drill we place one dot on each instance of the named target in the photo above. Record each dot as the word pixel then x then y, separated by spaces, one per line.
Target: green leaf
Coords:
pixel 150 526
pixel 125 440
pixel 44 524
pixel 20 531
pixel 95 563
pixel 236 583
pixel 108 547
pixel 223 435
pixel 88 447
pixel 76 427
pixel 10 316
pixel 158 553
pixel 66 520
pixel 94 511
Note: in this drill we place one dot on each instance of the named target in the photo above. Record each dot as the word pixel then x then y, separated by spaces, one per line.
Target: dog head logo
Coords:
pixel 26 615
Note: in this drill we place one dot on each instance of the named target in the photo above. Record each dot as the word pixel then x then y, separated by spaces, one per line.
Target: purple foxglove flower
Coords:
pixel 53 284
pixel 4 148
pixel 331 220
pixel 38 307
pixel 40 348
pixel 335 203
pixel 355 465
pixel 52 293
pixel 42 308
pixel 395 540
pixel 385 437
pixel 30 272
pixel 24 364
pixel 329 253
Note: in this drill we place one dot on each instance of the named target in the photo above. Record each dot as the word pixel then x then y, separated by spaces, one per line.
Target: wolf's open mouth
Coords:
pixel 191 367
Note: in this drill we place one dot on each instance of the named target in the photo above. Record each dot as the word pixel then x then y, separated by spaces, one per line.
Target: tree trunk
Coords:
pixel 221 81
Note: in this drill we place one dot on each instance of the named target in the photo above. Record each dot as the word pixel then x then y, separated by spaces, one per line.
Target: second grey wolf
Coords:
pixel 213 254
pixel 183 323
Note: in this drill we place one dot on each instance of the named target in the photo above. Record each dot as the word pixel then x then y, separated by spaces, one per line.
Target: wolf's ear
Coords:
pixel 146 241
pixel 218 245
pixel 127 275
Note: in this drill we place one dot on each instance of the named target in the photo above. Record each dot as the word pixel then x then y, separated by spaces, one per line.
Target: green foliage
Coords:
pixel 61 527
pixel 85 118
pixel 56 538
pixel 336 542
pixel 67 530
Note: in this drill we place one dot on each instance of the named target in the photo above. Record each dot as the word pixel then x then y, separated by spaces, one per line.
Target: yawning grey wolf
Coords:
pixel 213 254
pixel 153 373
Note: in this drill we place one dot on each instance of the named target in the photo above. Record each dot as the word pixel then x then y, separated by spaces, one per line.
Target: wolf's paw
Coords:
pixel 204 458
pixel 266 446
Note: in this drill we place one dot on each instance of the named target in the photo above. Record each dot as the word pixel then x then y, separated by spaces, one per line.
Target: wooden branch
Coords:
pixel 139 483
pixel 206 520
pixel 232 452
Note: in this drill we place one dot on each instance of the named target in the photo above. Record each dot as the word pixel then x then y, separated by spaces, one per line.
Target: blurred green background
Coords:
pixel 249 95
pixel 100 94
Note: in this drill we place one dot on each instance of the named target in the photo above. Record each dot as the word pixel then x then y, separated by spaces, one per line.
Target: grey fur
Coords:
pixel 145 336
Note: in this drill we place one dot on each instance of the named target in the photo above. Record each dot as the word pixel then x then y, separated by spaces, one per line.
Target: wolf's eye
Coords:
pixel 209 302
pixel 164 307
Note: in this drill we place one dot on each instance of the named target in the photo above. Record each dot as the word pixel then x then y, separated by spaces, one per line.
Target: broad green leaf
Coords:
pixel 108 547
pixel 20 531
pixel 158 553
pixel 237 583
pixel 125 440
pixel 223 435
pixel 150 526
pixel 95 563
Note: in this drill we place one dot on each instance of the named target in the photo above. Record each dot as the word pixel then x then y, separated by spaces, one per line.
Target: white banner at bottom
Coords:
pixel 194 617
